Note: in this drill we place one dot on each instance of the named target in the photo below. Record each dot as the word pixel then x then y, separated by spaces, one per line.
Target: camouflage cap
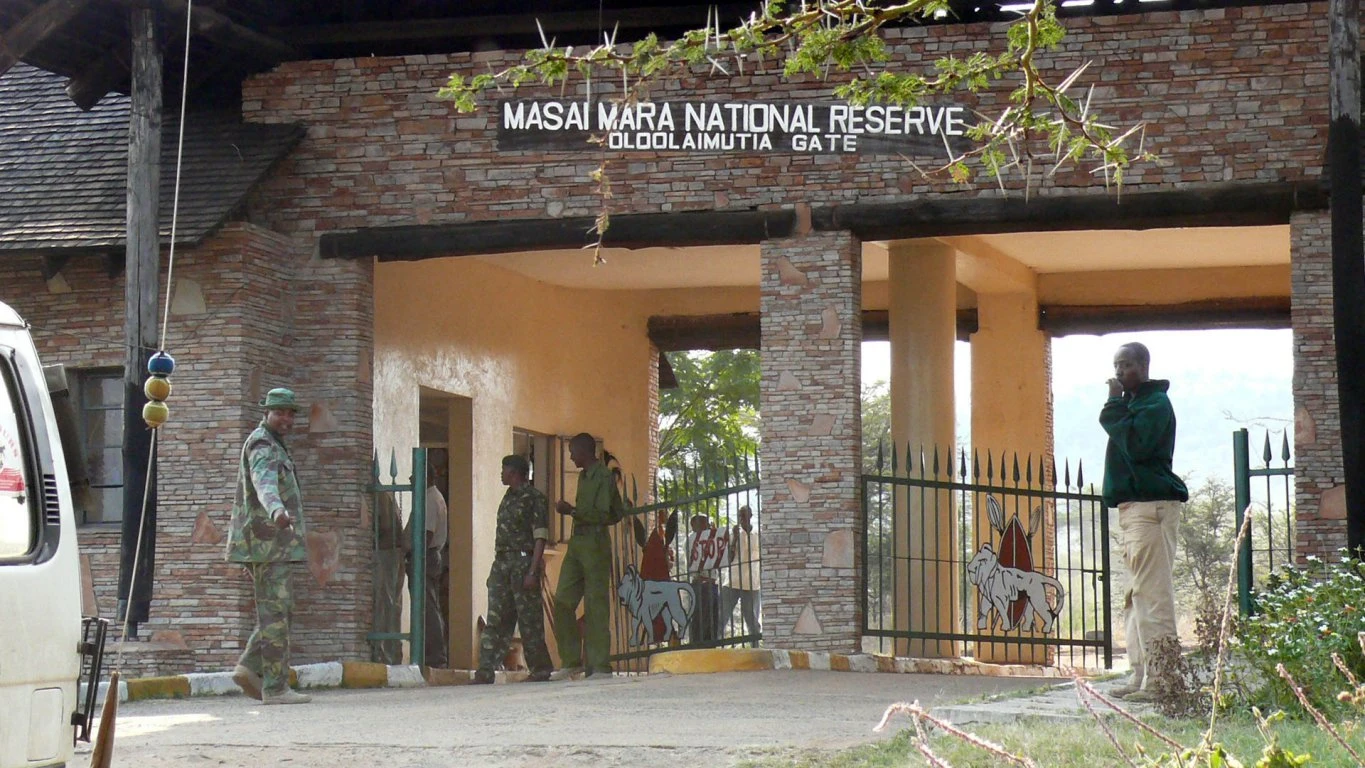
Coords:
pixel 281 399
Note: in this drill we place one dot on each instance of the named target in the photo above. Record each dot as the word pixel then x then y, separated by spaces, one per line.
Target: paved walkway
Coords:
pixel 658 721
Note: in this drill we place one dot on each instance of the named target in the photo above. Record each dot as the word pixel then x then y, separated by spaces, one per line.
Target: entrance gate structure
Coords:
pixel 670 583
pixel 1003 562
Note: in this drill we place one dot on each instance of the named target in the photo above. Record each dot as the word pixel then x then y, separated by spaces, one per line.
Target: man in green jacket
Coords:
pixel 1139 481
pixel 266 536
pixel 586 572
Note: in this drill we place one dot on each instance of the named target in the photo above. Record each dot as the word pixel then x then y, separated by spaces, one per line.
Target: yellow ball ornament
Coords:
pixel 157 388
pixel 155 414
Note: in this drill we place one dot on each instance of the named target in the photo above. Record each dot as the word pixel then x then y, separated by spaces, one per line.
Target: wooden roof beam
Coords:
pixel 106 74
pixel 34 28
pixel 502 24
pixel 229 35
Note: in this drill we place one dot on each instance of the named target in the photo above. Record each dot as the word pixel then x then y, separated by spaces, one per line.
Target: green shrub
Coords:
pixel 1303 616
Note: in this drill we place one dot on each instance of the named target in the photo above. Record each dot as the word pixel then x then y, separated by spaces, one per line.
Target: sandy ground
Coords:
pixel 659 721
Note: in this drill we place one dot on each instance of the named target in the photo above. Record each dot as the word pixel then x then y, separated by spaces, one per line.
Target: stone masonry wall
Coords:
pixel 233 331
pixel 1228 95
pixel 1319 477
pixel 811 300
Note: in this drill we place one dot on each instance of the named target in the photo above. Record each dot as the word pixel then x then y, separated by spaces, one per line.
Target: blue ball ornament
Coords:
pixel 161 364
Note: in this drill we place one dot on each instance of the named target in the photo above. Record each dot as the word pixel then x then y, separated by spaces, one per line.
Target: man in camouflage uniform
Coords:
pixel 514 580
pixel 267 538
pixel 586 573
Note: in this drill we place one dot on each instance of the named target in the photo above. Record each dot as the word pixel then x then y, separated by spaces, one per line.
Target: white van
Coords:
pixel 42 640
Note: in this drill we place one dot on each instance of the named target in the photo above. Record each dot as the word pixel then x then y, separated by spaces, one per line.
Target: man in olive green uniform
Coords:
pixel 514 579
pixel 267 537
pixel 586 573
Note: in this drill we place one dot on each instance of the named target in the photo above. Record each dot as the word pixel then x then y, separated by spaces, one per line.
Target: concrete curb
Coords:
pixel 346 674
pixel 365 674
pixel 709 660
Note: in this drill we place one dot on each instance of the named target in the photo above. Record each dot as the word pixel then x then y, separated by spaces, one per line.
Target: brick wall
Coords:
pixel 1229 95
pixel 1320 496
pixel 234 333
pixel 811 300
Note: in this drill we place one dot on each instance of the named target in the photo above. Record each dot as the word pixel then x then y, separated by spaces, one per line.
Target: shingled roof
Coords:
pixel 63 171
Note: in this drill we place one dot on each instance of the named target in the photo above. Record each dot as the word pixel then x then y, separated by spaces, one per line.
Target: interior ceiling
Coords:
pixel 1042 252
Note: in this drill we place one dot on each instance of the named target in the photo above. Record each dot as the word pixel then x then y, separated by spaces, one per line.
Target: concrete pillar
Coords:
pixel 1012 415
pixel 811 304
pixel 923 329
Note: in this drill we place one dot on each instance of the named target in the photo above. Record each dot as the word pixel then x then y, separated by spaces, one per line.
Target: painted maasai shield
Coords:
pixel 1015 553
pixel 1010 592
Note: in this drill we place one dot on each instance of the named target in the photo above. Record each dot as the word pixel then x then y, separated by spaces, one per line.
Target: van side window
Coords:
pixel 99 411
pixel 18 503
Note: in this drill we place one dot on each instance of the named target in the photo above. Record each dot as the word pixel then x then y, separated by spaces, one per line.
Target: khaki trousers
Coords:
pixel 1148 531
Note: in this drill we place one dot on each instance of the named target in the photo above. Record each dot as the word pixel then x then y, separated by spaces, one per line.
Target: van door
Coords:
pixel 39 568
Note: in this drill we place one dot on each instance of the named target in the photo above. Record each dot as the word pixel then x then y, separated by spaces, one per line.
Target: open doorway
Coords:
pixel 445 430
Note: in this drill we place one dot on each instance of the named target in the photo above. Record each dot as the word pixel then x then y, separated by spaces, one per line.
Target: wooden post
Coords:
pixel 140 315
pixel 1348 255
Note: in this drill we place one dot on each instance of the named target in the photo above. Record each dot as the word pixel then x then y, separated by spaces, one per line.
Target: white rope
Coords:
pixel 179 153
pixel 165 317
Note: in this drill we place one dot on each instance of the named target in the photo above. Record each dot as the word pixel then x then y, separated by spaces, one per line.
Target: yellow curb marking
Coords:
pixel 364 674
pixel 705 660
pixel 174 687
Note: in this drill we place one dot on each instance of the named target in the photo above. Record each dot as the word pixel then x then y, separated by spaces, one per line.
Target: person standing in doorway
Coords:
pixel 586 572
pixel 437 575
pixel 1140 483
pixel 514 581
pixel 742 586
pixel 266 536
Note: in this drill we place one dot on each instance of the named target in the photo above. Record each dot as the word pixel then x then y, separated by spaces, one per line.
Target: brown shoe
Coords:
pixel 542 676
pixel 482 677
pixel 248 681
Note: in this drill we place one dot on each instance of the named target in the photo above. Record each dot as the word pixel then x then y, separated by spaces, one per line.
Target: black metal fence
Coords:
pixel 1268 492
pixel 686 568
pixel 1000 560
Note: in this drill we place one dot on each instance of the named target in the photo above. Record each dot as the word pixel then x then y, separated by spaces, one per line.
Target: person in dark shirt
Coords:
pixel 1149 496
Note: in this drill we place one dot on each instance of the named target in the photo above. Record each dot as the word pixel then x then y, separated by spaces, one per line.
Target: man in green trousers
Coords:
pixel 586 572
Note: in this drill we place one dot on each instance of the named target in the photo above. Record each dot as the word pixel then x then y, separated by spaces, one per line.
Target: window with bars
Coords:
pixel 542 452
pixel 99 394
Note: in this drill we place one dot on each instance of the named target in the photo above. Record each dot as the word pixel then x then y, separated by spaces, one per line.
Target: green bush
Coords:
pixel 1303 616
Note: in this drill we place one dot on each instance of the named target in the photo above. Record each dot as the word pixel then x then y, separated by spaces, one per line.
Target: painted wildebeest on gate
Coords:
pixel 651 603
pixel 1006 582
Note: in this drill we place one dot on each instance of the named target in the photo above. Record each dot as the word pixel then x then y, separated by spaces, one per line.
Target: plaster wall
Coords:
pixel 548 359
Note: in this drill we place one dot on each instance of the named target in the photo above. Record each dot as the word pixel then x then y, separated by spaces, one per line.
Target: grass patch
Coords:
pixel 1072 745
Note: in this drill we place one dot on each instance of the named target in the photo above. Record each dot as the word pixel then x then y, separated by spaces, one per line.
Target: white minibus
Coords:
pixel 43 646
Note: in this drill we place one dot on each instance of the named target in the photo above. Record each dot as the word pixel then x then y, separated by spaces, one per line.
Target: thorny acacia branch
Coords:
pixel 813 37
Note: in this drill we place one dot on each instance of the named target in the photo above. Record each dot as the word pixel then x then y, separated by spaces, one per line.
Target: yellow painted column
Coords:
pixel 923 329
pixel 1012 415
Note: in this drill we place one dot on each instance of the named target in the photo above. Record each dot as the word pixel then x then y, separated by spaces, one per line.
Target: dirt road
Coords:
pixel 660 721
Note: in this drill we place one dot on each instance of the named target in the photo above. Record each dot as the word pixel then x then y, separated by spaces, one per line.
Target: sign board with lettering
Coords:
pixel 732 126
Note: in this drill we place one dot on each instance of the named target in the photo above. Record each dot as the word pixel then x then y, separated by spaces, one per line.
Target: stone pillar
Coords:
pixel 811 307
pixel 923 325
pixel 1012 415
pixel 1319 477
